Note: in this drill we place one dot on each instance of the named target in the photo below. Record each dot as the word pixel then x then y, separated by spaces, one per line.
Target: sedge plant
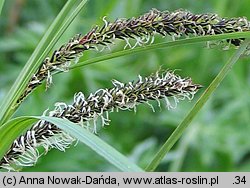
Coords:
pixel 22 138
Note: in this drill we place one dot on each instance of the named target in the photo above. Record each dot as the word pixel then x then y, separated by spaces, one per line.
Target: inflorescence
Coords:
pixel 88 110
pixel 142 29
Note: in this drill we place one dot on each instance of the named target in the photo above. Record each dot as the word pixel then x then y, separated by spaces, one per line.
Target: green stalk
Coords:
pixel 1 5
pixel 162 45
pixel 59 25
pixel 196 108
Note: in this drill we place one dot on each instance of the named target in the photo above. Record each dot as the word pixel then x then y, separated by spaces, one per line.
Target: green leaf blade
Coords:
pixel 15 127
pixel 163 45
pixel 1 5
pixel 95 143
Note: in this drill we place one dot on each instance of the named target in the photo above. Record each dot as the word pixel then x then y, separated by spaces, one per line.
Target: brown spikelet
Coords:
pixel 85 110
pixel 142 29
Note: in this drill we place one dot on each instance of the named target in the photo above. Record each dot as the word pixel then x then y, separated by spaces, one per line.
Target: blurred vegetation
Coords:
pixel 218 138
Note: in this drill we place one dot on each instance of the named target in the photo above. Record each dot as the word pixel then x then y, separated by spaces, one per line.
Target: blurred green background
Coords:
pixel 218 138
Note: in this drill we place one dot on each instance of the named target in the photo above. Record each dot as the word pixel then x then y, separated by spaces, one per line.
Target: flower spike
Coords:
pixel 141 29
pixel 85 111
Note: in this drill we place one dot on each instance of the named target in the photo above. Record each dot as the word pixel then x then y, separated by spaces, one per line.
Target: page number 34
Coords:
pixel 239 180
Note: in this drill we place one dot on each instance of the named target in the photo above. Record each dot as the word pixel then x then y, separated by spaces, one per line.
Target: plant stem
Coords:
pixel 196 108
pixel 162 45
pixel 1 5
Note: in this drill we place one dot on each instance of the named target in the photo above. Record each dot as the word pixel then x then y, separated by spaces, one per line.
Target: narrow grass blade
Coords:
pixel 197 107
pixel 162 45
pixel 11 130
pixel 95 143
pixel 53 33
pixel 1 5
pixel 15 127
